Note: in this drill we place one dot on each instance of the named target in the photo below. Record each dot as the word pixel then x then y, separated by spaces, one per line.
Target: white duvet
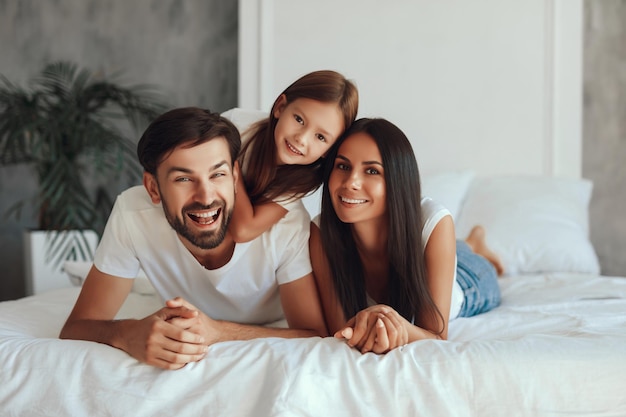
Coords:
pixel 555 347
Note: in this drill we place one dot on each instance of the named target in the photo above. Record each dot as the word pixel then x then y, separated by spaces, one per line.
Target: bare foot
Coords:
pixel 476 241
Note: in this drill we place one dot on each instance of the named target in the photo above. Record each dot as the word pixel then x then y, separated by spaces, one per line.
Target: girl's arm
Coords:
pixel 248 221
pixel 333 313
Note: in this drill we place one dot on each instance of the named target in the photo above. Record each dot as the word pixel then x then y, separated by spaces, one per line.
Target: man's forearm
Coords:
pixel 109 332
pixel 214 331
pixel 236 331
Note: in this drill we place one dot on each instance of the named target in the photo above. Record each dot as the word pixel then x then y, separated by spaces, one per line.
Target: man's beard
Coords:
pixel 203 240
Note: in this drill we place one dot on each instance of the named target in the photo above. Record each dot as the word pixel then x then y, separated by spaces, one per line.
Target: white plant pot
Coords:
pixel 45 272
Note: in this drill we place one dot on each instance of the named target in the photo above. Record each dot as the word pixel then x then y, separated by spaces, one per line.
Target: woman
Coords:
pixel 385 258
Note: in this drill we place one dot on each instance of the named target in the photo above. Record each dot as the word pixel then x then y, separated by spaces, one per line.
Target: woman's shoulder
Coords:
pixel 431 207
pixel 432 213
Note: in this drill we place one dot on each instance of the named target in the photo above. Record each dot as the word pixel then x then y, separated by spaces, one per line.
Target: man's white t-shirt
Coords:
pixel 245 290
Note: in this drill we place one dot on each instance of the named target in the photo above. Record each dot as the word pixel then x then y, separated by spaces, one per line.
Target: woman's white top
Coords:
pixel 432 213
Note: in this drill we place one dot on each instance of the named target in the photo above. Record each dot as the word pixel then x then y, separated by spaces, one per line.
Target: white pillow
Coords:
pixel 448 188
pixel 535 224
pixel 77 272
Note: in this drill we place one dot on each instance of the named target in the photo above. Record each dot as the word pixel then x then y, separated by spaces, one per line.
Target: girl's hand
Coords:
pixel 377 329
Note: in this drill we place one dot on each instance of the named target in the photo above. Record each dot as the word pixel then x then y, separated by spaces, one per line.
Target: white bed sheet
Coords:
pixel 556 346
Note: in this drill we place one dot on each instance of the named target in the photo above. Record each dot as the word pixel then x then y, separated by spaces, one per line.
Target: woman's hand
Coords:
pixel 377 329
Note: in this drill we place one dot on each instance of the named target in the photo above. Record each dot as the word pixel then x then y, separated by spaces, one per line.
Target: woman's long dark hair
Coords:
pixel 264 179
pixel 408 290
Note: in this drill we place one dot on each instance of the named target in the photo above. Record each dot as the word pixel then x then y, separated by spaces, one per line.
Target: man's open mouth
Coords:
pixel 205 217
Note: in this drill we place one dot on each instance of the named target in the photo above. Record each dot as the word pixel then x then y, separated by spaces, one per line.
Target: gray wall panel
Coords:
pixel 604 128
pixel 186 47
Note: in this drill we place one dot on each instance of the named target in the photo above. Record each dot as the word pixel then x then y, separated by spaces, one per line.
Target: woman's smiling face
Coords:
pixel 357 182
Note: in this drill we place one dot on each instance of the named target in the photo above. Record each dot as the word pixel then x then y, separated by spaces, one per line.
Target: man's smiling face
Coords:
pixel 196 186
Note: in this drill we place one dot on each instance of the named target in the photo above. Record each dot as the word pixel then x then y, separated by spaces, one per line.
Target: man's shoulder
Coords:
pixel 135 199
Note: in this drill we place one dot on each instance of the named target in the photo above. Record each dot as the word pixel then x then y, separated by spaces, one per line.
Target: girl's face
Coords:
pixel 306 129
pixel 357 182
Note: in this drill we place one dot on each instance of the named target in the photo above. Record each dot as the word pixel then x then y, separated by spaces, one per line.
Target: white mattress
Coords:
pixel 556 346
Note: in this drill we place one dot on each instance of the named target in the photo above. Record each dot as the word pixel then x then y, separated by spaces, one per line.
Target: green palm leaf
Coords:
pixel 72 125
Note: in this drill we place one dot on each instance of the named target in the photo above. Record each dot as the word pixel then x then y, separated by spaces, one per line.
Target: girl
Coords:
pixel 281 159
pixel 386 258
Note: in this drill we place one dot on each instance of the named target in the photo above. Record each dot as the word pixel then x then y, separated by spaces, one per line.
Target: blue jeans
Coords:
pixel 478 279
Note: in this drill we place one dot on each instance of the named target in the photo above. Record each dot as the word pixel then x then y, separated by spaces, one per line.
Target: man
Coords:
pixel 175 228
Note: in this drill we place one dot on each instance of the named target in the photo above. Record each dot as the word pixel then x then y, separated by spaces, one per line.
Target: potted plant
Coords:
pixel 68 124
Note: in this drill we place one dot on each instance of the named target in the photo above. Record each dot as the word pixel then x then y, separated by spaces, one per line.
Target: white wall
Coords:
pixel 488 85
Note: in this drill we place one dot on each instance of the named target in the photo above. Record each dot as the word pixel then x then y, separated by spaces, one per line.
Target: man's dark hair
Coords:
pixel 187 126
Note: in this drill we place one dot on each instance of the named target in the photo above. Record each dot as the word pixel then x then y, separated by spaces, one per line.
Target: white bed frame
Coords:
pixel 494 86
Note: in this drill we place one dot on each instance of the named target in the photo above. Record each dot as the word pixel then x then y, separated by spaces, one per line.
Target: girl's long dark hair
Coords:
pixel 264 179
pixel 408 290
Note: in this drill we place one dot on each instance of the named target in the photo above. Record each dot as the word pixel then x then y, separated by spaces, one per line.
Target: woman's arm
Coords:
pixel 380 328
pixel 440 255
pixel 333 313
pixel 249 221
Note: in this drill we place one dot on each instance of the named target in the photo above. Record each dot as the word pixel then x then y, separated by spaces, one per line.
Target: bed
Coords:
pixel 555 347
pixel 499 81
